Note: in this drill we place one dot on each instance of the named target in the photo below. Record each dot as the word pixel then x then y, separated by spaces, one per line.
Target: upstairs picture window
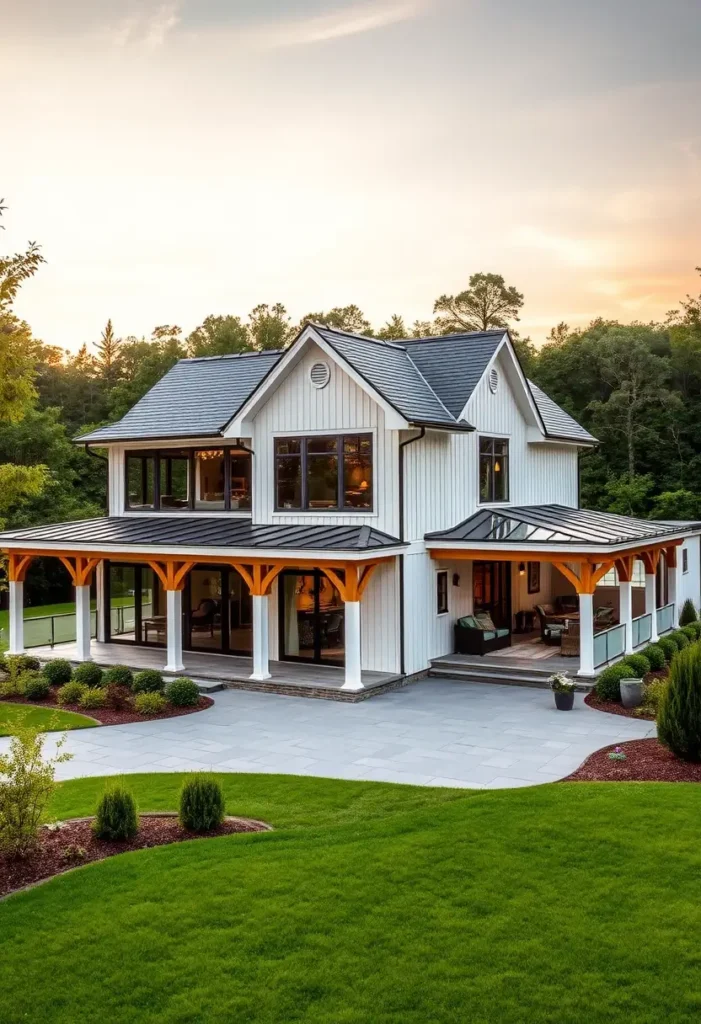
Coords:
pixel 493 469
pixel 442 592
pixel 324 473
pixel 187 479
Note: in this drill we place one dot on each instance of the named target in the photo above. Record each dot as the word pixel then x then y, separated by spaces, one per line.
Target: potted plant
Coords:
pixel 632 692
pixel 563 691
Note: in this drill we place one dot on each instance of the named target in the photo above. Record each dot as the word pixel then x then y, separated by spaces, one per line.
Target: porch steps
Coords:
pixel 503 675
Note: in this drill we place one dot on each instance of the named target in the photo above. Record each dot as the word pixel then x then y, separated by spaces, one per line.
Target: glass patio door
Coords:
pixel 491 591
pixel 135 604
pixel 312 617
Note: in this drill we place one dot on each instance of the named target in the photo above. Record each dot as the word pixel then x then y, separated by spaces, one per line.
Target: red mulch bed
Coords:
pixel 74 844
pixel 109 716
pixel 646 761
pixel 612 707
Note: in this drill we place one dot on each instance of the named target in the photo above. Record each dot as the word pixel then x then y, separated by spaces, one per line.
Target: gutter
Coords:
pixel 102 458
pixel 402 446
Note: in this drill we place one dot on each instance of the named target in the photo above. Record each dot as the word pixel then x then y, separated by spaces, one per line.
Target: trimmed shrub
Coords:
pixel 688 613
pixel 652 697
pixel 679 717
pixel 88 673
pixel 201 804
pixel 690 633
pixel 680 639
pixel 116 817
pixel 58 672
pixel 668 647
pixel 608 685
pixel 118 697
pixel 695 626
pixel 119 675
pixel 150 703
pixel 36 686
pixel 148 681
pixel 93 697
pixel 71 693
pixel 3 664
pixel 183 693
pixel 16 663
pixel 655 655
pixel 13 685
pixel 639 663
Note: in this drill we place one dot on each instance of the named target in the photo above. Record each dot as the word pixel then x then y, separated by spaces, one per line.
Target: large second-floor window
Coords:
pixel 322 473
pixel 188 479
pixel 494 469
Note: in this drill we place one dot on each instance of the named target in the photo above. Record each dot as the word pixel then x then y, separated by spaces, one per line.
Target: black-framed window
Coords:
pixel 685 560
pixel 494 469
pixel 321 473
pixel 442 592
pixel 168 480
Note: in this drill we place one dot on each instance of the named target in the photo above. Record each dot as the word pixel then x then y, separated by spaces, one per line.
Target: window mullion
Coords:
pixel 227 479
pixel 340 469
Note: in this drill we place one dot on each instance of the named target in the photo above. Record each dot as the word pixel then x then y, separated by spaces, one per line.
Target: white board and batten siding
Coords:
pixel 689 582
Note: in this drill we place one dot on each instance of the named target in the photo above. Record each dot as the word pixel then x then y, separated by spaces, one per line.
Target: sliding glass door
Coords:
pixel 136 605
pixel 217 612
pixel 312 617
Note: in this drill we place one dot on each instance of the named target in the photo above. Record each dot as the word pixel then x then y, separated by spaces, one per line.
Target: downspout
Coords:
pixel 102 458
pixel 402 446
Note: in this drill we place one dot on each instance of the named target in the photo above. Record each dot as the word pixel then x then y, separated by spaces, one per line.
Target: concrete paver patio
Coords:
pixel 435 733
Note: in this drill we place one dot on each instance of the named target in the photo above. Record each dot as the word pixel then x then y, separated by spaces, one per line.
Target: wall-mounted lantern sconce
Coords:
pixel 456 580
pixel 522 568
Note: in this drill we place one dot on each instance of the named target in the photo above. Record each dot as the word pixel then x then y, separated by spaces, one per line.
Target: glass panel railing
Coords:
pixel 122 620
pixel 665 618
pixel 47 630
pixel 642 630
pixel 609 644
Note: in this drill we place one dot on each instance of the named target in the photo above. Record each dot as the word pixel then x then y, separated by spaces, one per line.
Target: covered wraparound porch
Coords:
pixel 346 557
pixel 581 549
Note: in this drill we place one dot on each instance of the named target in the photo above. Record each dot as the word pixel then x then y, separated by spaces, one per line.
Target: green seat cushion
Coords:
pixel 469 622
pixel 503 632
pixel 489 634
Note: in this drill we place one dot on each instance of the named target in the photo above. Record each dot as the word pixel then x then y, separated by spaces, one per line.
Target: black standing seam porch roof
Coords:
pixel 556 524
pixel 161 531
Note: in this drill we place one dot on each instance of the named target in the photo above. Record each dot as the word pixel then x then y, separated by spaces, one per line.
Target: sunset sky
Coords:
pixel 176 159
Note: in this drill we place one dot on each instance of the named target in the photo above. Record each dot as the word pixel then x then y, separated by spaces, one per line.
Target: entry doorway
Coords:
pixel 312 619
pixel 491 591
pixel 135 605
pixel 217 612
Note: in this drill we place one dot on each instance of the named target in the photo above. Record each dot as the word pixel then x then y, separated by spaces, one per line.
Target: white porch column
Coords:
pixel 626 611
pixel 353 679
pixel 261 667
pixel 586 635
pixel 672 588
pixel 82 622
pixel 651 603
pixel 101 635
pixel 16 617
pixel 174 630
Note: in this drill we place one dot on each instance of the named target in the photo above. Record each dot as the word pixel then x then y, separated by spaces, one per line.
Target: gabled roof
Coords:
pixel 192 532
pixel 557 422
pixel 554 525
pixel 393 373
pixel 454 364
pixel 196 398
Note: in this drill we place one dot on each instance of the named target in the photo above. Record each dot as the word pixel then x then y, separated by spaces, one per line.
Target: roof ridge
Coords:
pixel 360 337
pixel 231 355
pixel 455 334
pixel 432 390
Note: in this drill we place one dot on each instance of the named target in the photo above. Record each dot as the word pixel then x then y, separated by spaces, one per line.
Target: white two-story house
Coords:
pixel 344 503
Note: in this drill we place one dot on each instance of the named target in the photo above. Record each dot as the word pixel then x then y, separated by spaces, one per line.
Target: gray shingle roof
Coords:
pixel 453 365
pixel 557 422
pixel 553 524
pixel 227 532
pixel 196 398
pixel 388 368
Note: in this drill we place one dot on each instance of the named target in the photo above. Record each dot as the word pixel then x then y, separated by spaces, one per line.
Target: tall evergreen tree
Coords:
pixel 108 355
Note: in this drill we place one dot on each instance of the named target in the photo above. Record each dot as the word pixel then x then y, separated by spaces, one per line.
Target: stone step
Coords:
pixel 490 667
pixel 500 678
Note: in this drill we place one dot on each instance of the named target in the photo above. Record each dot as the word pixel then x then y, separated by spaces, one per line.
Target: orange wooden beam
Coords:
pixel 17 566
pixel 624 568
pixel 670 554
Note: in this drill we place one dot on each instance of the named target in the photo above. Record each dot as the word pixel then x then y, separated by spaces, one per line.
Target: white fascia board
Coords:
pixel 519 386
pixel 534 436
pixel 202 553
pixel 242 424
pixel 566 552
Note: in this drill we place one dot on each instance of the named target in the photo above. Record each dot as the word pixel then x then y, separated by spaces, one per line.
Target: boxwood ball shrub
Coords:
pixel 118 675
pixel 149 703
pixel 201 804
pixel 71 692
pixel 679 716
pixel 688 613
pixel 680 639
pixel 89 674
pixel 639 663
pixel 183 693
pixel 668 647
pixel 689 632
pixel 148 681
pixel 58 672
pixel 116 817
pixel 93 697
pixel 608 685
pixel 695 627
pixel 36 686
pixel 655 655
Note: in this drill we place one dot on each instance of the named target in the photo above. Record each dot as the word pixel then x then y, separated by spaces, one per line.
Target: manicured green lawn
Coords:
pixel 40 718
pixel 375 904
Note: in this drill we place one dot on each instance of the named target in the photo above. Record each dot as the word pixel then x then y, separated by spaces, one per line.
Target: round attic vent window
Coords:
pixel 493 380
pixel 319 375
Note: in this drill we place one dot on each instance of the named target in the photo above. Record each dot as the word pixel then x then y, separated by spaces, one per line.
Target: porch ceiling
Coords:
pixel 541 528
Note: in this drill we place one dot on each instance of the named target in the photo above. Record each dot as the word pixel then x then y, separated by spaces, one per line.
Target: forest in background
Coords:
pixel 636 387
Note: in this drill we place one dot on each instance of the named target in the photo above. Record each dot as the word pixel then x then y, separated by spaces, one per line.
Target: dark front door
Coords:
pixel 217 610
pixel 491 591
pixel 135 605
pixel 312 617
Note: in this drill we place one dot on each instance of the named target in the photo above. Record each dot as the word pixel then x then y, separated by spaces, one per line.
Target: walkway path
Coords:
pixel 435 732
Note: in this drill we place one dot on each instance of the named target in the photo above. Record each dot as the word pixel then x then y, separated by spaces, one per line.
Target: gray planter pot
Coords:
pixel 564 701
pixel 632 691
